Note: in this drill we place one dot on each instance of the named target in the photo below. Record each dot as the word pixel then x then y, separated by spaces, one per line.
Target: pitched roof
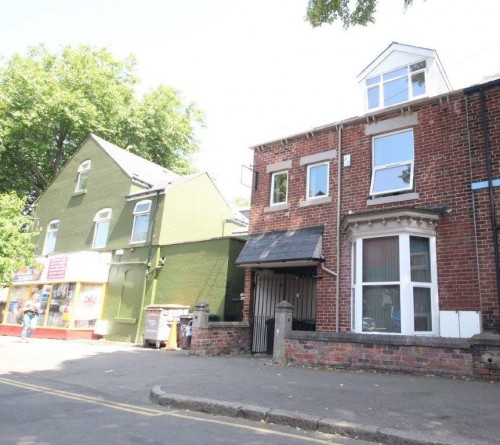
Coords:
pixel 134 166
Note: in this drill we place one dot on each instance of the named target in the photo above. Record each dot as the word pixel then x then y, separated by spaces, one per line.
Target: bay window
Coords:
pixel 395 285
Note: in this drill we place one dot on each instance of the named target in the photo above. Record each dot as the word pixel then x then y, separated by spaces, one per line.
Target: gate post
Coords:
pixel 283 325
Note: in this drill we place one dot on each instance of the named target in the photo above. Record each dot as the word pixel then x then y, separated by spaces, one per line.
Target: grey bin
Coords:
pixel 159 320
pixel 185 331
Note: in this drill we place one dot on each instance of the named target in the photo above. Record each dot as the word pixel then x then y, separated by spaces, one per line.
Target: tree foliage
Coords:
pixel 350 13
pixel 49 103
pixel 16 249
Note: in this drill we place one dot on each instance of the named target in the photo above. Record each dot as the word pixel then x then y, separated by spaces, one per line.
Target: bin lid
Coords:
pixel 159 307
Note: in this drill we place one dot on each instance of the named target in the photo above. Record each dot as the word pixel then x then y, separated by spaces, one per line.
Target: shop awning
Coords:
pixel 287 248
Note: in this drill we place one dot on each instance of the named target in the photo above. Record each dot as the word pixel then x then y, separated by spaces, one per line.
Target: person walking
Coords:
pixel 30 316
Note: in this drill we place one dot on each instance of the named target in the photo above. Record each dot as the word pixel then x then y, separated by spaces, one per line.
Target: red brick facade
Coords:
pixel 449 157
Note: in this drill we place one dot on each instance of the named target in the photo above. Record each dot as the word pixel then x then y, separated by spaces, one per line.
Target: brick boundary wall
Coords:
pixel 221 338
pixel 454 357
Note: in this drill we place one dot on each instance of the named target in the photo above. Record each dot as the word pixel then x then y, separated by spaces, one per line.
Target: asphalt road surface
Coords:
pixel 65 393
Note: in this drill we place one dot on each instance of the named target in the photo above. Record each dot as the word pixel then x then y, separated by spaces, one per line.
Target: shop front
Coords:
pixel 71 290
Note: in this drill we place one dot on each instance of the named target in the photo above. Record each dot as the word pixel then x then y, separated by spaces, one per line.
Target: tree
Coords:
pixel 16 249
pixel 49 103
pixel 328 11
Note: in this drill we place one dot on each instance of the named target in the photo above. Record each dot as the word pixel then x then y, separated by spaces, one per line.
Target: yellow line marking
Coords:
pixel 88 399
pixel 153 412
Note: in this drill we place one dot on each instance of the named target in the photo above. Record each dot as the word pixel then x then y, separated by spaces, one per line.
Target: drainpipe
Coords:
pixel 339 175
pixel 487 153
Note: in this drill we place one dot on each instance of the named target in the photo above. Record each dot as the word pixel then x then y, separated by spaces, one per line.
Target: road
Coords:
pixel 66 392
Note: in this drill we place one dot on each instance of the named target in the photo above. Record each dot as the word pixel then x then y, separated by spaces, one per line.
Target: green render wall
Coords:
pixel 106 188
pixel 192 272
pixel 202 216
pixel 199 272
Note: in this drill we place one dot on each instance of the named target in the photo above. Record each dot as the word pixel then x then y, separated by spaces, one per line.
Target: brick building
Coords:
pixel 381 230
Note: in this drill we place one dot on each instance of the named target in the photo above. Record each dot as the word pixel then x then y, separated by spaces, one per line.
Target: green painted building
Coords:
pixel 168 239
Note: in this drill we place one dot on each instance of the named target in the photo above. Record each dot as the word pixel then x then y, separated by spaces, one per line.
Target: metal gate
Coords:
pixel 270 289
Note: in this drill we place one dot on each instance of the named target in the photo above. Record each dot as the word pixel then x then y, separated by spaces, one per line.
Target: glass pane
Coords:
pixel 373 97
pixel 142 207
pixel 318 180
pixel 396 73
pixel 420 262
pixel 396 91
pixel 101 234
pixel 393 148
pixel 418 84
pixel 51 242
pixel 43 292
pixel 61 305
pixel 381 259
pixel 280 185
pixel 82 181
pixel 372 80
pixel 417 66
pixel 88 307
pixel 392 179
pixel 141 224
pixel 19 295
pixel 381 309
pixel 422 314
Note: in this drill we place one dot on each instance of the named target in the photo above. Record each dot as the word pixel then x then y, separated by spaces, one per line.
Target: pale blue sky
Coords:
pixel 256 69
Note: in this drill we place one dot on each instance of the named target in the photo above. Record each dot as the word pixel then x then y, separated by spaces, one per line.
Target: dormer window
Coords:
pixel 396 86
pixel 83 174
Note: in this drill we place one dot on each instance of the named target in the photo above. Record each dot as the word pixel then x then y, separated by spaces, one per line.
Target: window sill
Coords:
pixel 394 198
pixel 124 320
pixel 277 208
pixel 315 201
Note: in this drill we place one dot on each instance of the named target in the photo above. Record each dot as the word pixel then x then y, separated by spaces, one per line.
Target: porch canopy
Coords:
pixel 286 248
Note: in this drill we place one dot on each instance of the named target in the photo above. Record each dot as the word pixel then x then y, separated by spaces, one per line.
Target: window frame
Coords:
pixel 137 214
pixel 98 220
pixel 83 171
pixel 379 82
pixel 49 234
pixel 273 176
pixel 405 283
pixel 391 165
pixel 308 178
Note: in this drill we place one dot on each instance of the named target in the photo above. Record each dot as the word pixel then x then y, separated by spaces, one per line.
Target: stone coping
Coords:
pixel 227 324
pixel 398 340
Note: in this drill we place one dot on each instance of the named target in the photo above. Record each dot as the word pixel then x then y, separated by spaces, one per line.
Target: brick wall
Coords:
pixel 221 338
pixel 414 355
pixel 444 169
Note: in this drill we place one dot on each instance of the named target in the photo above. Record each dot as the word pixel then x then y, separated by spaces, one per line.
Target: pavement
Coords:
pixel 388 408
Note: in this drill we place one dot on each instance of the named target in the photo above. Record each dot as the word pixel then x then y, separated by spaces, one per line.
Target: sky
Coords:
pixel 257 69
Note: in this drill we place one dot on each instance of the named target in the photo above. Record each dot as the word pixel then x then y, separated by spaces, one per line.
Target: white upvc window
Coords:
pixel 392 163
pixel 279 187
pixel 396 86
pixel 102 220
pixel 317 180
pixel 141 221
pixel 395 285
pixel 83 174
pixel 51 237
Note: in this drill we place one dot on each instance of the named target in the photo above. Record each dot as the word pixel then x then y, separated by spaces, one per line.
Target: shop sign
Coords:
pixel 28 273
pixel 57 268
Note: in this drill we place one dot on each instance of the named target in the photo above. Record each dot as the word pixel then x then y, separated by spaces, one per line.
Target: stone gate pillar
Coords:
pixel 283 324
